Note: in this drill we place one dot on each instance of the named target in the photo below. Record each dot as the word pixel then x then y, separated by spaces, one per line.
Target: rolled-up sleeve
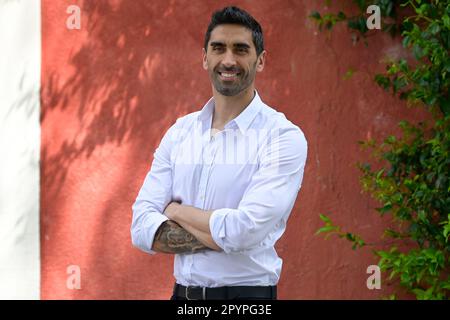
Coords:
pixel 269 197
pixel 154 195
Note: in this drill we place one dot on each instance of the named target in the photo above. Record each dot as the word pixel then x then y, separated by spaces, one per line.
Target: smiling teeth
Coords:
pixel 228 75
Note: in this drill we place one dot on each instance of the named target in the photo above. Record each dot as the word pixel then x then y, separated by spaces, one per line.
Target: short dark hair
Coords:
pixel 235 15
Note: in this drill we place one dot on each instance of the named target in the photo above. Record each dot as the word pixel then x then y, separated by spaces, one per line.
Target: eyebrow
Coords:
pixel 237 45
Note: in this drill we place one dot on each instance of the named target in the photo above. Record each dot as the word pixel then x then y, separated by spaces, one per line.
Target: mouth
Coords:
pixel 228 76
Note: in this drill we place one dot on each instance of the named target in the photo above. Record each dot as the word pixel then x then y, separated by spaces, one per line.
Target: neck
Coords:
pixel 228 108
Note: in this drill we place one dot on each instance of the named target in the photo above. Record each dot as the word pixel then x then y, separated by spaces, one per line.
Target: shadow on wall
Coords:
pixel 123 81
pixel 120 83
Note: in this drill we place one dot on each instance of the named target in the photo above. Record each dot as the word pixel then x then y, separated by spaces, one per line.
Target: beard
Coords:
pixel 233 88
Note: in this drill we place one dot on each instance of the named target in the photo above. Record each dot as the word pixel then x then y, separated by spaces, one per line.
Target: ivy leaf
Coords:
pixel 315 15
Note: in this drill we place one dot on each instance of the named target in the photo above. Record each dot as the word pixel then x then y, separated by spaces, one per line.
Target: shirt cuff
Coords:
pixel 159 219
pixel 217 227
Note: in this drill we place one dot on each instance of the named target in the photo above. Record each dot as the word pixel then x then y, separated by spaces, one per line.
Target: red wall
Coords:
pixel 111 90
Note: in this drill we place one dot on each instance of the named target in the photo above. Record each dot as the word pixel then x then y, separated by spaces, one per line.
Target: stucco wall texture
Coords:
pixel 110 91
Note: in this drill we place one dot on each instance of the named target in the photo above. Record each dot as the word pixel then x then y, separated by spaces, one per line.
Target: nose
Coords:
pixel 228 59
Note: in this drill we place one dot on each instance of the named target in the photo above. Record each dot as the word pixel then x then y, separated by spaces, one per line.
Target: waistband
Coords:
pixel 225 293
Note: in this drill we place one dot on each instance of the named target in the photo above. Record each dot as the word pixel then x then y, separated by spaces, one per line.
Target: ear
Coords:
pixel 205 61
pixel 261 61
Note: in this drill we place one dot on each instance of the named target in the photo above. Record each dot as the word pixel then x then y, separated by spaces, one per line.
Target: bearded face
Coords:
pixel 231 59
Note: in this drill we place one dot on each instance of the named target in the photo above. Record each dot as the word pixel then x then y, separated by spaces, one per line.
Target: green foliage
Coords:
pixel 412 182
pixel 426 33
pixel 327 20
pixel 330 229
pixel 415 189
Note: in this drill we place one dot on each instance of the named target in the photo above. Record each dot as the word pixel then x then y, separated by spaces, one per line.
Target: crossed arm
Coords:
pixel 187 231
pixel 269 197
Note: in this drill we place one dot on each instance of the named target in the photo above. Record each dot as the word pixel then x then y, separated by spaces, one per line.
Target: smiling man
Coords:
pixel 224 179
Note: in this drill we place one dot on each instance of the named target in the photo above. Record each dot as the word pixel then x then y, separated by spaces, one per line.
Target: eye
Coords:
pixel 242 50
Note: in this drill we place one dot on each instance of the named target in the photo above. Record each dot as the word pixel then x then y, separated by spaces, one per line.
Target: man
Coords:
pixel 224 179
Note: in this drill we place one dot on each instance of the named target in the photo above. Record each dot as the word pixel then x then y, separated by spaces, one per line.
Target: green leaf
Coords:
pixel 418 52
pixel 444 105
pixel 341 16
pixel 348 74
pixel 324 218
pixel 387 207
pixel 382 81
pixel 326 229
pixel 315 15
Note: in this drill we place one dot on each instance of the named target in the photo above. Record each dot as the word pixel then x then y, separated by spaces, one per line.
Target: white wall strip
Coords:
pixel 20 68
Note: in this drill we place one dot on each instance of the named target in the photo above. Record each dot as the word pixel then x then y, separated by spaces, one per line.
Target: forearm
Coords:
pixel 203 237
pixel 195 221
pixel 172 238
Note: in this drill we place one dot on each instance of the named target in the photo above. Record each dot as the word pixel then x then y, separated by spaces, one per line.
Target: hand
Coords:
pixel 171 210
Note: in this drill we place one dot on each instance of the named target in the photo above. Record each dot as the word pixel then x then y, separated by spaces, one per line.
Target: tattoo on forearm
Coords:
pixel 172 238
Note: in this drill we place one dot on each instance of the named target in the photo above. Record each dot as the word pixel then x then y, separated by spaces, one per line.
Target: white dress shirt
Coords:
pixel 249 174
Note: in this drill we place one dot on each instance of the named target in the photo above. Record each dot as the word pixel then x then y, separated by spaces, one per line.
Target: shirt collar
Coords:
pixel 243 120
pixel 207 110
